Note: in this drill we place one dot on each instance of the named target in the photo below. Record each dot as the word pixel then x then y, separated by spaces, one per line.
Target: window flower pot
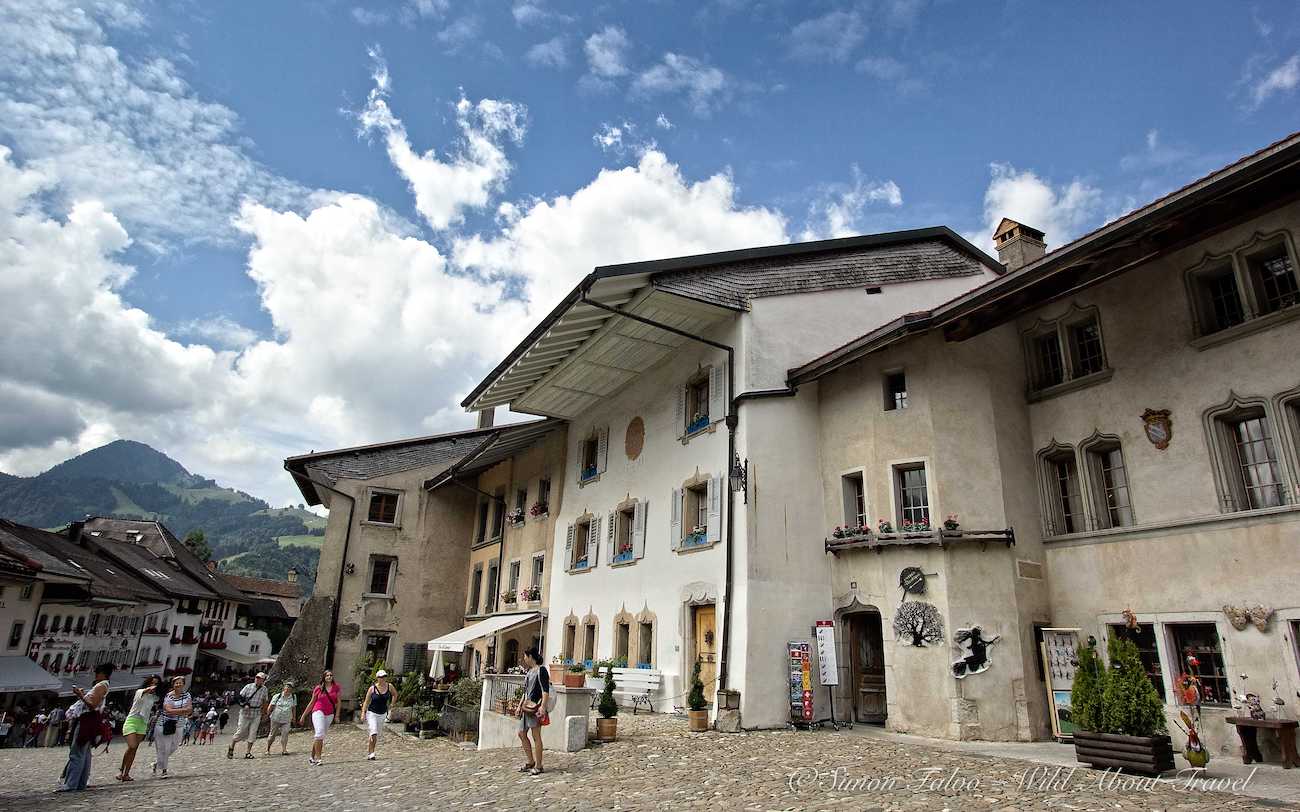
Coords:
pixel 698 538
pixel 700 423
pixel 606 729
pixel 699 720
pixel 1147 755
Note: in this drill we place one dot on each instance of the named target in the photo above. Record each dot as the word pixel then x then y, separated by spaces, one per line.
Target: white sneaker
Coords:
pixel 313 762
pixel 370 757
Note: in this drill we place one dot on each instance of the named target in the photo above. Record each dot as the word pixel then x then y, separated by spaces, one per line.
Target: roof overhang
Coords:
pixel 582 354
pixel 499 446
pixel 457 640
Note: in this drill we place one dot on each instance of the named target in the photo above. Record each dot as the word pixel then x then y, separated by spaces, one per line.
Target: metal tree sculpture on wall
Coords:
pixel 978 660
pixel 919 623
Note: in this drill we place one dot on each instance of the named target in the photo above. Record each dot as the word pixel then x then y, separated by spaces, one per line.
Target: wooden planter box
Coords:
pixel 572 680
pixel 1147 755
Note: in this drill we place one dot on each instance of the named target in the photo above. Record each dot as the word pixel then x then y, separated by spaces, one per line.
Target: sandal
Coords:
pixel 527 768
pixel 126 778
pixel 536 771
pixel 248 756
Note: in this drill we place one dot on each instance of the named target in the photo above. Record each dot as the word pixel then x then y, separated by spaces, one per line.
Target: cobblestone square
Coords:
pixel 656 764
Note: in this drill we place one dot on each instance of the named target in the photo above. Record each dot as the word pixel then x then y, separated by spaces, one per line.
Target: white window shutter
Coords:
pixel 602 449
pixel 638 530
pixel 593 548
pixel 717 391
pixel 715 509
pixel 681 408
pixel 613 542
pixel 675 530
pixel 568 549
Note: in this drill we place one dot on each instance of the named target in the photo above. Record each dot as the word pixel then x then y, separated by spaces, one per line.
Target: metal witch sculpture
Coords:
pixel 977 661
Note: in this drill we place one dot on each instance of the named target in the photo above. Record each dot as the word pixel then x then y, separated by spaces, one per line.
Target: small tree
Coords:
pixel 1086 691
pixel 608 707
pixel 695 699
pixel 1129 702
pixel 197 543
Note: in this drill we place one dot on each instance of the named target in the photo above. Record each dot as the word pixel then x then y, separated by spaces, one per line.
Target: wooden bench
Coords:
pixel 636 684
pixel 1247 729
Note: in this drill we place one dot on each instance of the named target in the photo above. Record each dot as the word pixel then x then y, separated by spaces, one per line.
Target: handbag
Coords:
pixel 169 727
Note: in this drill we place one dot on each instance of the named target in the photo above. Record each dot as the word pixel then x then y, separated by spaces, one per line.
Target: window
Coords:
pixel 1218 303
pixel 645 648
pixel 590 458
pixel 895 391
pixel 498 516
pixel 1272 278
pixel 521 500
pixel 580 544
pixel 696 511
pixel 25 594
pixel 55 623
pixel 697 404
pixel 415 658
pixel 475 589
pixel 512 653
pixel 1248 473
pixel 377 647
pixel 383 507
pixel 41 623
pixel 855 499
pixel 1109 480
pixel 481 521
pixel 913 497
pixel 81 624
pixel 589 642
pixel 624 524
pixel 493 582
pixel 1201 640
pixel 570 640
pixel 622 641
pixel 544 493
pixel 512 579
pixel 16 634
pixel 1061 481
pixel 381 575
pixel 539 568
pixel 1144 637
pixel 1064 350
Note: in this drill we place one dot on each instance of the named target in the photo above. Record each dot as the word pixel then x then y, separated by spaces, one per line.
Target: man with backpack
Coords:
pixel 253 699
pixel 87 730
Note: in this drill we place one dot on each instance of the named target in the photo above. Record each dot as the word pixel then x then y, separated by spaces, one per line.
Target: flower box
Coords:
pixel 699 423
pixel 1148 755
pixel 516 517
pixel 532 593
pixel 509 597
pixel 588 474
pixel 539 510
pixel 696 538
pixel 851 532
pixel 624 554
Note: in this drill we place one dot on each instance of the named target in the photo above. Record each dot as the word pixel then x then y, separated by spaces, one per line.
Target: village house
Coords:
pixel 394 560
pixel 660 560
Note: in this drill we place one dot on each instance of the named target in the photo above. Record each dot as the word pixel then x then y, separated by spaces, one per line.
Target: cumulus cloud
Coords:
pixel 1279 80
pixel 704 86
pixel 609 138
pixel 217 331
pixel 890 70
pixel 464 179
pixel 837 210
pixel 607 53
pixel 549 54
pixel 366 16
pixel 85 115
pixel 831 37
pixel 1156 154
pixel 663 123
pixel 1061 212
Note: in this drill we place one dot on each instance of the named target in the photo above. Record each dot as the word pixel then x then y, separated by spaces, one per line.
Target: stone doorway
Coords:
pixel 867 666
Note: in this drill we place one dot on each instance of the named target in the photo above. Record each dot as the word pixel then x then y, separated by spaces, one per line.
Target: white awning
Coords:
pixel 457 640
pixel 19 674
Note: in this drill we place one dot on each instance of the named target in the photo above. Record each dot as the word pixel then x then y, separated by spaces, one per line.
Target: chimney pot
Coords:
pixel 1018 244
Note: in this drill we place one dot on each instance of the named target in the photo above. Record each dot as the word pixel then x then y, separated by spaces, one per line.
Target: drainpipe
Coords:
pixel 733 420
pixel 343 565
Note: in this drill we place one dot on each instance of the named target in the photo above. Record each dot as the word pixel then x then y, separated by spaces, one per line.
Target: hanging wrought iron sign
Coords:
pixel 912 580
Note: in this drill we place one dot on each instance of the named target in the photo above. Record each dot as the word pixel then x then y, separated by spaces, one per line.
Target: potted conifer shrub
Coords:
pixel 698 707
pixel 607 724
pixel 1119 716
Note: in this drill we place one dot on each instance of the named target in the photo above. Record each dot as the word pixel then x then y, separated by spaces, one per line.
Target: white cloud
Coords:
pixel 86 116
pixel 365 16
pixel 663 123
pixel 526 13
pixel 461 32
pixel 889 69
pixel 218 331
pixel 837 210
pixel 429 8
pixel 705 86
pixel 607 52
pixel 831 37
pixel 549 54
pixel 445 187
pixel 1282 79
pixel 609 138
pixel 1060 212
pixel 1156 155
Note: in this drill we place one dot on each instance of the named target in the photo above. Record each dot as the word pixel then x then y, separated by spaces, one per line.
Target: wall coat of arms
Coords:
pixel 1158 427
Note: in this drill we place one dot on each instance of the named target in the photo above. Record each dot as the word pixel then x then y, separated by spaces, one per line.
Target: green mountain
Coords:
pixel 131 480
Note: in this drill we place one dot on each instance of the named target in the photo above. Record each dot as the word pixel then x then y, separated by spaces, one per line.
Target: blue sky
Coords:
pixel 260 249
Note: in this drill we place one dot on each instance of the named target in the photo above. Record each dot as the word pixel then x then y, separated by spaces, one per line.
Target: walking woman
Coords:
pixel 375 708
pixel 321 708
pixel 282 707
pixel 77 771
pixel 137 723
pixel 532 710
pixel 177 706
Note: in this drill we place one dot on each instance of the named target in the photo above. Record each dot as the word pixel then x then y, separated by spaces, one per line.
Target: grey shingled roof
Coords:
pixel 395 458
pixel 735 284
pixel 162 542
pixel 148 567
pixel 25 544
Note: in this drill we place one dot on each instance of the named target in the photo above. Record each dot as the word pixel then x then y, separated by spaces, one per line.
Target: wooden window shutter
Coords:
pixel 681 409
pixel 717 391
pixel 638 530
pixel 715 509
pixel 593 544
pixel 602 449
pixel 675 529
pixel 568 549
pixel 611 532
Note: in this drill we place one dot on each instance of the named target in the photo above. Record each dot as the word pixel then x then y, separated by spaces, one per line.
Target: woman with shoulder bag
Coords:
pixel 177 706
pixel 533 711
pixel 77 771
pixel 321 708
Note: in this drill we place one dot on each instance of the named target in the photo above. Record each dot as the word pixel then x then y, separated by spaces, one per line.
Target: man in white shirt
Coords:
pixel 253 699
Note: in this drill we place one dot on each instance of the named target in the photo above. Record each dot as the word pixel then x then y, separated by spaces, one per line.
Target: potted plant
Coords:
pixel 508 597
pixel 885 526
pixel 576 676
pixel 532 593
pixel 1119 716
pixel 951 524
pixel 607 724
pixel 698 712
pixel 516 517
pixel 538 510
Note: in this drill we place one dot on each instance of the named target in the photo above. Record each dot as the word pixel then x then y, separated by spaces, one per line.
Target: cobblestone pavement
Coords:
pixel 656 764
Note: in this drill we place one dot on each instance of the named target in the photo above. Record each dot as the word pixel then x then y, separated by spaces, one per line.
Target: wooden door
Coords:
pixel 706 648
pixel 867 659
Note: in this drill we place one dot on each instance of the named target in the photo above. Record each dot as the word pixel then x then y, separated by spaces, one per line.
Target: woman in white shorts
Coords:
pixel 321 708
pixel 375 708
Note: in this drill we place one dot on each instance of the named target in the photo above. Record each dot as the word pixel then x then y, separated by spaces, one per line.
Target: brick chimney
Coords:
pixel 1018 244
pixel 291 576
pixel 486 417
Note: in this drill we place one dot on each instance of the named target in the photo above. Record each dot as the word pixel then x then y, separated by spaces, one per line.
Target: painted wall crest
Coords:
pixel 1159 427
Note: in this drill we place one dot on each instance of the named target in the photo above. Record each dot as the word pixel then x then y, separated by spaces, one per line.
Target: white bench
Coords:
pixel 636 684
